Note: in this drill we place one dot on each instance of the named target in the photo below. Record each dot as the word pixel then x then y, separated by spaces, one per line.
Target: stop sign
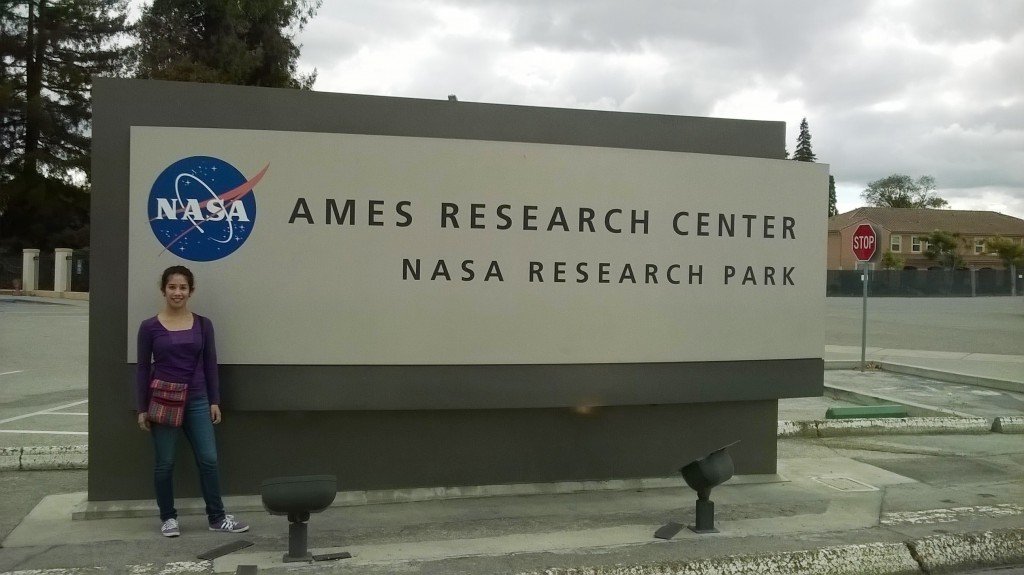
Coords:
pixel 864 242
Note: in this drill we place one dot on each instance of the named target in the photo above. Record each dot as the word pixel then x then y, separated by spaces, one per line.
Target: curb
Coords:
pixel 941 375
pixel 72 295
pixel 843 364
pixel 77 456
pixel 1012 424
pixel 44 458
pixel 865 559
pixel 892 426
pixel 953 377
pixel 954 553
pixel 931 555
pixel 913 409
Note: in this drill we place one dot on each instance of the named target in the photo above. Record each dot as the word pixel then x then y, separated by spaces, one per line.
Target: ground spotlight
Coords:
pixel 297 497
pixel 702 475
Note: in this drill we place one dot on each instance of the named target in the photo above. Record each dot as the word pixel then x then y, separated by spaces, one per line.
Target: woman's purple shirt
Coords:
pixel 179 357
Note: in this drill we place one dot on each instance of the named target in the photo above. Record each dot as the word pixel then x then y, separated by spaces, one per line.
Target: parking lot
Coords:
pixel 43 372
pixel 44 351
pixel 975 325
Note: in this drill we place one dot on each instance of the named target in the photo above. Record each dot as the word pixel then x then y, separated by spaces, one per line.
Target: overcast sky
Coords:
pixel 891 86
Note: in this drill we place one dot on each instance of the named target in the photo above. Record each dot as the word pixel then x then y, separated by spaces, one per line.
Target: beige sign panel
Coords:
pixel 341 249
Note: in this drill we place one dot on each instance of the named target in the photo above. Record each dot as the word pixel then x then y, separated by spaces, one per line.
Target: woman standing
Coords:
pixel 178 346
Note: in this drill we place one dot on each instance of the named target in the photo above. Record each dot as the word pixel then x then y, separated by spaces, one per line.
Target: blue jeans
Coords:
pixel 199 431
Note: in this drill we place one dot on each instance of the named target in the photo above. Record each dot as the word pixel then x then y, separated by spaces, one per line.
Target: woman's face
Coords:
pixel 177 291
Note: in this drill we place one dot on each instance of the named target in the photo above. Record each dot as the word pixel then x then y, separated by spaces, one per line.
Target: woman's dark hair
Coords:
pixel 179 270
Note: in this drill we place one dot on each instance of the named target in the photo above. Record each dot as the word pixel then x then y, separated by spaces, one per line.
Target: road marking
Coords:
pixel 58 571
pixel 950 515
pixel 37 313
pixel 12 372
pixel 984 392
pixel 177 568
pixel 841 483
pixel 45 411
pixel 44 432
pixel 66 413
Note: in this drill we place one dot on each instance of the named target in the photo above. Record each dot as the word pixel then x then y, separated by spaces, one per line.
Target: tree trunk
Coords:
pixel 35 50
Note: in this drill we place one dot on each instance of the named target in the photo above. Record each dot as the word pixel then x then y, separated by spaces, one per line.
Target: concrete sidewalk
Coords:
pixel 980 369
pixel 929 382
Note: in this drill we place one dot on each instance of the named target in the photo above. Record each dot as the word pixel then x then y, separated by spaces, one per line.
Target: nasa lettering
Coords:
pixel 202 208
pixel 674 225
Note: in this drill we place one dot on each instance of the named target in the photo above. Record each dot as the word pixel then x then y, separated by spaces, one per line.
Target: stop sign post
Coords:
pixel 865 242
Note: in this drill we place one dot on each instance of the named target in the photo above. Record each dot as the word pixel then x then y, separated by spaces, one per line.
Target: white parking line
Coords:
pixel 37 312
pixel 65 413
pixel 12 372
pixel 45 411
pixel 176 568
pixel 44 432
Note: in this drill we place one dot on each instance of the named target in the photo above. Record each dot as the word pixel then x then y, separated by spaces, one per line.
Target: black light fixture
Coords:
pixel 702 475
pixel 297 497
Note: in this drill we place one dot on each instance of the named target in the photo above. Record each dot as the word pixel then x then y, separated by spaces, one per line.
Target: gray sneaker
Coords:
pixel 229 525
pixel 170 528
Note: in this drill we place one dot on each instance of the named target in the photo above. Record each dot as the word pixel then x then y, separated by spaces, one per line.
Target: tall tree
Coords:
pixel 805 153
pixel 49 51
pixel 833 209
pixel 900 191
pixel 246 42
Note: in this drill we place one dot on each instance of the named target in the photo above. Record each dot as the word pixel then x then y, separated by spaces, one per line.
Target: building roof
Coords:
pixel 926 220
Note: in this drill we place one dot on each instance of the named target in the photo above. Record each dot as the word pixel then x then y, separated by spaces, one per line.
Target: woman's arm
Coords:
pixel 210 369
pixel 144 367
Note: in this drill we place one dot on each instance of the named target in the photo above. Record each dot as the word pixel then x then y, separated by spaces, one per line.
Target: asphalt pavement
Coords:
pixel 985 325
pixel 851 504
pixel 44 359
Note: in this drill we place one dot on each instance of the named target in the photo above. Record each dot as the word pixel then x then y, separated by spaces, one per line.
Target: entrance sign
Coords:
pixel 473 278
pixel 386 250
pixel 865 242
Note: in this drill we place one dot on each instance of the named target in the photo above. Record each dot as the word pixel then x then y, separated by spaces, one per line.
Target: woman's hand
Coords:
pixel 143 422
pixel 215 414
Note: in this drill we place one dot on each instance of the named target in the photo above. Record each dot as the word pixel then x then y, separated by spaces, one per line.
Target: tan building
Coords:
pixel 905 232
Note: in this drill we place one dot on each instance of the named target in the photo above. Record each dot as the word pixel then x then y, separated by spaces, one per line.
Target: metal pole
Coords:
pixel 864 320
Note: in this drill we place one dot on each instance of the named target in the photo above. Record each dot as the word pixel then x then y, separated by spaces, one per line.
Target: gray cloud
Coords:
pixel 958 21
pixel 920 87
pixel 340 29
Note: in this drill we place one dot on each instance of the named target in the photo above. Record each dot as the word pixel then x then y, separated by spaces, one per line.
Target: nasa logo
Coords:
pixel 203 208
